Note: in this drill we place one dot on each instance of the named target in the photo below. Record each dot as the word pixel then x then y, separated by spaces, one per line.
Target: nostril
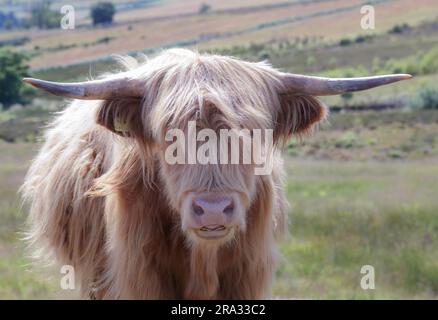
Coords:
pixel 212 204
pixel 198 210
pixel 229 209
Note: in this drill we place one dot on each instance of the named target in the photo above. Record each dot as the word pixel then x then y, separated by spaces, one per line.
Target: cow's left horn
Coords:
pixel 110 88
pixel 319 86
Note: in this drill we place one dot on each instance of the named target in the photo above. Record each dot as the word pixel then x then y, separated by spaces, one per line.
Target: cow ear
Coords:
pixel 122 117
pixel 298 115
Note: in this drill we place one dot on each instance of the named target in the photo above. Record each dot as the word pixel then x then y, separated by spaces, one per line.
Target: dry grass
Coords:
pixel 341 24
pixel 232 27
pixel 187 7
pixel 151 34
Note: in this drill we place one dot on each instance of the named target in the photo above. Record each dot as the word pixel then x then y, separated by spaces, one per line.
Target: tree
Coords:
pixel 8 20
pixel 12 70
pixel 346 97
pixel 43 17
pixel 103 13
pixel 204 8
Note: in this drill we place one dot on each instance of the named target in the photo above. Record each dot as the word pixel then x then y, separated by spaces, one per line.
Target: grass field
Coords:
pixel 16 279
pixel 346 215
pixel 350 208
pixel 19 279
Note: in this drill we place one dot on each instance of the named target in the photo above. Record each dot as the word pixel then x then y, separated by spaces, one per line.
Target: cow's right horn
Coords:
pixel 120 86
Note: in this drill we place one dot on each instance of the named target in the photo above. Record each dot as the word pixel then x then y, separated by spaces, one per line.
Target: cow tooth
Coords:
pixel 212 228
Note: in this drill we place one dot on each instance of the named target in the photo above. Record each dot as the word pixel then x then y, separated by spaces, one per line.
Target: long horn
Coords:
pixel 318 86
pixel 117 87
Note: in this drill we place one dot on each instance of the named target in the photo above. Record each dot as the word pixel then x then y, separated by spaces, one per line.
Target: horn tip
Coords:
pixel 405 76
pixel 31 81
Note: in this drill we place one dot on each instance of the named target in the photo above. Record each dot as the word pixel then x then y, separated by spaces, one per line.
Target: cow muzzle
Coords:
pixel 213 216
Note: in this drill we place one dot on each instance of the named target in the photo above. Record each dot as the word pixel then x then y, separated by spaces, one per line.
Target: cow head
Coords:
pixel 213 93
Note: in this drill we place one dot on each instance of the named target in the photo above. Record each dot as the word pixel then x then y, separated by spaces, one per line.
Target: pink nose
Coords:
pixel 213 205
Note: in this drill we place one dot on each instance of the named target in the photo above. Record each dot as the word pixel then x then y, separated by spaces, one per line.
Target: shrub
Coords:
pixel 429 61
pixel 348 140
pixel 103 13
pixel 204 8
pixel 400 28
pixel 264 55
pixel 346 97
pixel 345 42
pixel 14 42
pixel 104 40
pixel 420 63
pixel 396 154
pixel 12 70
pixel 427 98
pixel 363 38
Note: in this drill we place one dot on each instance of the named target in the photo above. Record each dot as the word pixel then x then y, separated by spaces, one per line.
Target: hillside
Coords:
pixel 176 23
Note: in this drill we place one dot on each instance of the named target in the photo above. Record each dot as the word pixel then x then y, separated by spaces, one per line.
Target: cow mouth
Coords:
pixel 212 232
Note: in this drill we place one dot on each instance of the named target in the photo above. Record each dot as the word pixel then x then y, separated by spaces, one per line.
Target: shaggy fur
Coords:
pixel 107 203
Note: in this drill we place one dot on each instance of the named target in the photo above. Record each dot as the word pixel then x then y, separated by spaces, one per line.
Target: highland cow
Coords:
pixel 103 199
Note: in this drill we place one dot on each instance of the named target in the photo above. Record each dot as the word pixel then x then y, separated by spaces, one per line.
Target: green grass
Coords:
pixel 346 215
pixel 371 135
pixel 16 282
pixel 18 278
pixel 20 124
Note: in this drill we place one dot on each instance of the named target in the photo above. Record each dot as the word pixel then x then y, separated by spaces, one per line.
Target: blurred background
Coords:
pixel 363 189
